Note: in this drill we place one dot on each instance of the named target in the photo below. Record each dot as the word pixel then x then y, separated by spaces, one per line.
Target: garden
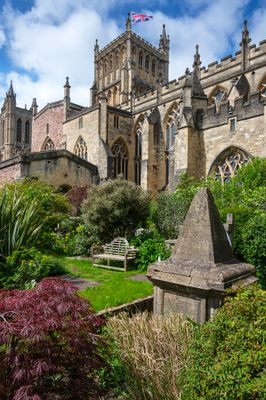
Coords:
pixel 53 345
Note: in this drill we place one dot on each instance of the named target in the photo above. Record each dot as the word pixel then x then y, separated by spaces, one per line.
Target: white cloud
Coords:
pixel 258 25
pixel 52 50
pixel 212 28
pixel 55 39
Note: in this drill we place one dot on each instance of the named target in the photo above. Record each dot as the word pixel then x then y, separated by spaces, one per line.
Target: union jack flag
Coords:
pixel 140 17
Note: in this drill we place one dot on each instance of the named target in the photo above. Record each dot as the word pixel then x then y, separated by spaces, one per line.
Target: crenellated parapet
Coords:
pixel 241 110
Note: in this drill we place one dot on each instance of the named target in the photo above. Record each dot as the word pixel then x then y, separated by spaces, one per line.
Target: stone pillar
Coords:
pixel 145 154
pixel 103 117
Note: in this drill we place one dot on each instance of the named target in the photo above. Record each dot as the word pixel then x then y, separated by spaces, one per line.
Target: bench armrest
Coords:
pixel 96 249
pixel 132 251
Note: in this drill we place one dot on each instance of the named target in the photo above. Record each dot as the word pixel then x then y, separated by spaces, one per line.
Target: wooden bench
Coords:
pixel 117 250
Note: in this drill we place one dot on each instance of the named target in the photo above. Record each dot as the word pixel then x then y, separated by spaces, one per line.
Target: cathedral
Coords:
pixel 140 125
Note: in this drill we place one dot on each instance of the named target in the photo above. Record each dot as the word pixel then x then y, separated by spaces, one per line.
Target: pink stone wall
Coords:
pixel 9 173
pixel 54 116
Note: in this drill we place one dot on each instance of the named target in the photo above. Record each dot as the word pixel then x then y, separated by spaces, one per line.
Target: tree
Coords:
pixel 48 344
pixel 168 211
pixel 116 208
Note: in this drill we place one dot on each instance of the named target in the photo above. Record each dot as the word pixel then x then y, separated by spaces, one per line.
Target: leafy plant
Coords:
pixel 151 247
pixel 168 211
pixel 115 208
pixel 250 244
pixel 27 265
pixel 48 344
pixel 52 205
pixel 226 360
pixel 20 225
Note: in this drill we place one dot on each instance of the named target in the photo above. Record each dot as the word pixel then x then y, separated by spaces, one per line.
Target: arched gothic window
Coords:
pixel 117 59
pixel 109 98
pixel 105 67
pixel 140 59
pixel 115 97
pixel 19 125
pixel 171 131
pixel 228 163
pixel 134 55
pixel 147 62
pixel 27 132
pixel 120 154
pixel 48 144
pixel 81 149
pixel 153 67
pixel 123 54
pixel 138 151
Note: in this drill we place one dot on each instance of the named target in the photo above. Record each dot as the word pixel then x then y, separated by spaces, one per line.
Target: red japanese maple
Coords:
pixel 48 344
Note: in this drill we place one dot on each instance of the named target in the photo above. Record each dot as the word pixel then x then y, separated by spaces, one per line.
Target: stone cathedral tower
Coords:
pixel 15 126
pixel 129 65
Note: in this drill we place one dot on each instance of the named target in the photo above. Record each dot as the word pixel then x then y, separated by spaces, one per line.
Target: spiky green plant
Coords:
pixel 20 225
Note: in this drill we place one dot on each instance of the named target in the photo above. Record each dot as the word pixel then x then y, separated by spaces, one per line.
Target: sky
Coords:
pixel 43 41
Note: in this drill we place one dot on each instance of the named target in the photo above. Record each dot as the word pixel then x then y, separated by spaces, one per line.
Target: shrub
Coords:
pixel 151 246
pixel 115 208
pixel 250 244
pixel 27 265
pixel 48 344
pixel 73 237
pixel 226 360
pixel 152 350
pixel 168 211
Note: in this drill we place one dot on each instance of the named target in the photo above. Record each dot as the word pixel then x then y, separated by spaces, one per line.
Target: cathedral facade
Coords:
pixel 209 121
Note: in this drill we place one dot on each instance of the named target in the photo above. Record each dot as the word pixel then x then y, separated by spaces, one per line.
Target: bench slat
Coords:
pixel 119 250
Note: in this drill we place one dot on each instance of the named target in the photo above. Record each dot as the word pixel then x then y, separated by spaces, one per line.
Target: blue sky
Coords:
pixel 43 41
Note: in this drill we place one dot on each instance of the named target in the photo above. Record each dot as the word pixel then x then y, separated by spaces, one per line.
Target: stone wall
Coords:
pixel 249 136
pixel 58 167
pixel 89 131
pixel 48 123
pixel 10 170
pixel 136 306
pixel 122 131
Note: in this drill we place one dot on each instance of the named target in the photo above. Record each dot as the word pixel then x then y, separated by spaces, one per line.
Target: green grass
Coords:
pixel 115 287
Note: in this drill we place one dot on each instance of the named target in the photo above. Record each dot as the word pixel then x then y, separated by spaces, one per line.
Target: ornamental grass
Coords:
pixel 152 350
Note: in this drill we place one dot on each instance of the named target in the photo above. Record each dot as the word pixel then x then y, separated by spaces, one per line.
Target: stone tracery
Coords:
pixel 120 154
pixel 81 149
pixel 48 144
pixel 228 163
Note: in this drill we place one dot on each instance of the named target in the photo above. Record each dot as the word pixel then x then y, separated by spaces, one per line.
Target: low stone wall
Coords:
pixel 136 306
pixel 10 170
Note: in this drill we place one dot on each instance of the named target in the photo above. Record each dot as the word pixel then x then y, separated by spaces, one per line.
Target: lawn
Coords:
pixel 115 287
